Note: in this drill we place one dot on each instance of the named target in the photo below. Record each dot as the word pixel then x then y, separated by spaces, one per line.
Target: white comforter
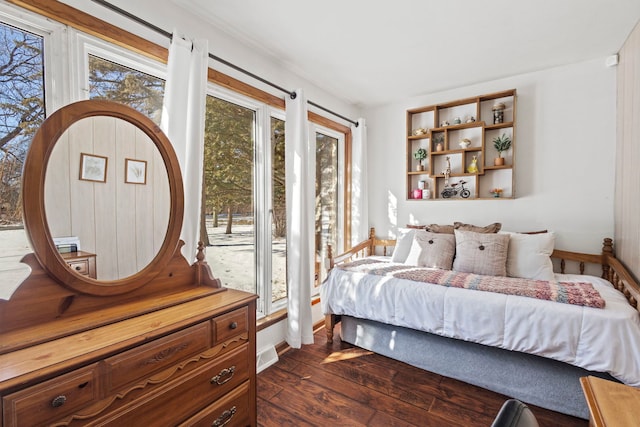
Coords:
pixel 603 340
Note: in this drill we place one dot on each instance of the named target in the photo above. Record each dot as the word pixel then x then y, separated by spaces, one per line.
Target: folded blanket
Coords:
pixel 577 293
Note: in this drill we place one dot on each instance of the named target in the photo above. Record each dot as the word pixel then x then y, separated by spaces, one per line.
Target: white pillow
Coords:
pixel 434 250
pixel 403 244
pixel 529 255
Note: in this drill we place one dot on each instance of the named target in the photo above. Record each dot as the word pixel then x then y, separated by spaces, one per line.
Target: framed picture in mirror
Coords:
pixel 136 171
pixel 93 167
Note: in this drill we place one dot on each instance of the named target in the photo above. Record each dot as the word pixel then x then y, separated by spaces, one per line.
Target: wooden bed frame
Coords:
pixel 612 269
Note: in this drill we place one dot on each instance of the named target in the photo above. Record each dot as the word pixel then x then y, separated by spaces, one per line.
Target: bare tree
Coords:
pixel 21 112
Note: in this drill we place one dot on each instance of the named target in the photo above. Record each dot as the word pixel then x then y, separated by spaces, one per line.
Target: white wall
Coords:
pixel 565 153
pixel 627 204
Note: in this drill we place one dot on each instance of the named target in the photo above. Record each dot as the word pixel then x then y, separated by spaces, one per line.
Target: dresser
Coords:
pixel 166 345
pixel 81 262
pixel 611 404
pixel 189 364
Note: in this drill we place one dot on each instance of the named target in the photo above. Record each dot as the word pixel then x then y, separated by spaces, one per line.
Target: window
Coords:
pixel 25 73
pixel 111 81
pixel 22 111
pixel 228 203
pixel 329 203
pixel 244 197
pixel 278 213
pixel 108 72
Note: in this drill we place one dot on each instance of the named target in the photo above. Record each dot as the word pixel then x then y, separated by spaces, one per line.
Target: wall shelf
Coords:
pixel 446 125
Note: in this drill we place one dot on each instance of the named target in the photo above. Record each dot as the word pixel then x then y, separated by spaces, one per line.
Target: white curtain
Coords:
pixel 183 122
pixel 359 190
pixel 300 182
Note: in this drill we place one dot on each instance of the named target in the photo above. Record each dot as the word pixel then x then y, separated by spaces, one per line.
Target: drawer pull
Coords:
pixel 225 375
pixel 225 417
pixel 59 401
pixel 78 268
pixel 233 325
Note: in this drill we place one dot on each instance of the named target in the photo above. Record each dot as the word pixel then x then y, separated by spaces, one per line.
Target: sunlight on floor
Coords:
pixel 351 353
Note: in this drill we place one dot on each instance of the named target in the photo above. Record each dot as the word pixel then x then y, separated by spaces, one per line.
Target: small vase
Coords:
pixel 498 161
pixel 496 194
pixel 419 167
pixel 439 147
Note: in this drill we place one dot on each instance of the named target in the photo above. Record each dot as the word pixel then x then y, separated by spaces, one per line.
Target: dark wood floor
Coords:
pixel 342 385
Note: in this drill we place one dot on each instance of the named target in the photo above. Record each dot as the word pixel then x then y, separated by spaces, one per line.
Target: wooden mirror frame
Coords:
pixel 33 194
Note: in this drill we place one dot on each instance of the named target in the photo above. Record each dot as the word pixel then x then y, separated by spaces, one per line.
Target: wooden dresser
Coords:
pixel 611 404
pixel 192 363
pixel 81 262
pixel 164 346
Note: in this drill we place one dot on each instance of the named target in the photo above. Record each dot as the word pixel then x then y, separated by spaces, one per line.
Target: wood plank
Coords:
pixel 273 415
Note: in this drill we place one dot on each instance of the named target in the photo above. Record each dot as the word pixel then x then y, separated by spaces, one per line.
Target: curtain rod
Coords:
pixel 167 34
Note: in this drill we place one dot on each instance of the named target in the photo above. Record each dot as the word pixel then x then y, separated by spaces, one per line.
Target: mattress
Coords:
pixel 597 339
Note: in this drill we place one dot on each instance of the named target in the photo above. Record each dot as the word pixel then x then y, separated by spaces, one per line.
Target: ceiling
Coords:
pixel 369 53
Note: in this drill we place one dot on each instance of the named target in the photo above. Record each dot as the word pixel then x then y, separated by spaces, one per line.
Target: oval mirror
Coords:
pixel 102 178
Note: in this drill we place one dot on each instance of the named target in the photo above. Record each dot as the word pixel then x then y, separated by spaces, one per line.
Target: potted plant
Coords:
pixel 420 155
pixel 501 143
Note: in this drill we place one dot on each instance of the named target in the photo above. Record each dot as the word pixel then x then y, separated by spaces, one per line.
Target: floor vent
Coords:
pixel 266 357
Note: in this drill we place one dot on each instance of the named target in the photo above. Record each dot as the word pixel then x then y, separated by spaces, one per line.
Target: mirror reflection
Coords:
pixel 107 198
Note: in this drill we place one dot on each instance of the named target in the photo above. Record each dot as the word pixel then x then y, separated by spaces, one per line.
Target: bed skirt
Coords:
pixel 533 379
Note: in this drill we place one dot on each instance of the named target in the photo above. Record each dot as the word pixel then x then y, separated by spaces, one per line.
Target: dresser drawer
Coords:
pixel 175 401
pixel 230 324
pixel 80 267
pixel 51 399
pixel 140 362
pixel 231 410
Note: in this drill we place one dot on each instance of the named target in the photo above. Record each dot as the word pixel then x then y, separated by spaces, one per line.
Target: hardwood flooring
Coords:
pixel 343 385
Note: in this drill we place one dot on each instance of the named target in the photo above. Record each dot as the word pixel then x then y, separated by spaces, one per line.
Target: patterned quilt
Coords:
pixel 577 293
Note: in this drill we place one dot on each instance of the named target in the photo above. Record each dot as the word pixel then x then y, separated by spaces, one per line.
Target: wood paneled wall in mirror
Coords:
pixel 108 188
pixel 79 184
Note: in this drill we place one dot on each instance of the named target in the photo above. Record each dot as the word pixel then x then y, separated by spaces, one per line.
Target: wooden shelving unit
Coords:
pixel 445 126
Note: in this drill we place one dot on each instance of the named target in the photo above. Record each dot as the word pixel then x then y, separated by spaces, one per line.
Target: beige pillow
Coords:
pixel 433 250
pixel 491 228
pixel 481 253
pixel 440 228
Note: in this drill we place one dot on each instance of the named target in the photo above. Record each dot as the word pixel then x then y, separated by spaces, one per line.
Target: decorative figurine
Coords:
pixel 447 172
pixel 498 113
pixel 464 143
pixel 457 121
pixel 471 119
pixel 473 167
pixel 444 123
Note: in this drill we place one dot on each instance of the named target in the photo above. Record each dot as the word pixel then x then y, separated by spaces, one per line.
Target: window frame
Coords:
pixel 341 185
pixel 84 45
pixel 261 192
pixel 54 35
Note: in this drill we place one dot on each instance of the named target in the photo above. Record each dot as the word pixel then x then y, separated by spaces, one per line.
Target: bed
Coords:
pixel 506 341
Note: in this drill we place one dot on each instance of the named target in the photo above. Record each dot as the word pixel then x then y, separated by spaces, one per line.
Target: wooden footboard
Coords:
pixel 612 269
